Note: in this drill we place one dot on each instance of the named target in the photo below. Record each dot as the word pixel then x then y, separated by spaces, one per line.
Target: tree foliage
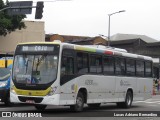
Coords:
pixel 9 23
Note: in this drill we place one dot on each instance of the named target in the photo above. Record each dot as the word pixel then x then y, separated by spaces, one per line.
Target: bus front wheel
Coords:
pixel 78 107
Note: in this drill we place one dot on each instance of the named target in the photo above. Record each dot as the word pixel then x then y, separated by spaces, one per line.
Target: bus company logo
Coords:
pixel 20 115
pixel 121 83
pixel 124 83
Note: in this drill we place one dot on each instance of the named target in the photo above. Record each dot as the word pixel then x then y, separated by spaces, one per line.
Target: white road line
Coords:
pixel 147 102
pixel 153 105
pixel 138 101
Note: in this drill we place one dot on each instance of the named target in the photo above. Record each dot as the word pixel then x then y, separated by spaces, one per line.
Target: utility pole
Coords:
pixel 109 15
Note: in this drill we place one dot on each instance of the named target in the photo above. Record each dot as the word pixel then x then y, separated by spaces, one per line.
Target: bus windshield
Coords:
pixel 4 74
pixel 35 69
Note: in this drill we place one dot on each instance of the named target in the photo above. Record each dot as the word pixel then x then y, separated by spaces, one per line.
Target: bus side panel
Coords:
pixel 144 87
pixel 68 93
pixel 123 84
pixel 100 88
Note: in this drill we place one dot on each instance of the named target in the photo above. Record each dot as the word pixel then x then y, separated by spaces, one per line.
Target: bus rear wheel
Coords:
pixel 78 107
pixel 40 107
pixel 128 100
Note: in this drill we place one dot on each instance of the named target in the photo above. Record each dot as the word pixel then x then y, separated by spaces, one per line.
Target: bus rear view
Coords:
pixel 35 69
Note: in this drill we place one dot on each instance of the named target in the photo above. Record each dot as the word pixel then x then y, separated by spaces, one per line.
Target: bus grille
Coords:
pixel 24 99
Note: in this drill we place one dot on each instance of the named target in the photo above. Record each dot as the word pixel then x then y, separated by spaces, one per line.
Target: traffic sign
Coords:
pixel 20 7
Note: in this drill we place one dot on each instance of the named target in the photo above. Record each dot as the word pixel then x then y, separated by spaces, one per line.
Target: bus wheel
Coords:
pixel 94 105
pixel 40 107
pixel 78 107
pixel 128 100
pixel 7 101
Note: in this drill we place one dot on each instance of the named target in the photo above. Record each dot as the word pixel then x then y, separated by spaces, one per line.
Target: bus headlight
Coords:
pixel 52 91
pixel 3 84
pixel 12 90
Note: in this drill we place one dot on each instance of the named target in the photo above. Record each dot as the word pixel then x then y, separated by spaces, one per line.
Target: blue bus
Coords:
pixel 5 85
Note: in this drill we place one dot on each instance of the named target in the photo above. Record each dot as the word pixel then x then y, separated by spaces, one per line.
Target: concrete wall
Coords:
pixel 34 32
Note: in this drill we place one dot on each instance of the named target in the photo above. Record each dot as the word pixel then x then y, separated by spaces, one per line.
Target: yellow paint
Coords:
pixel 2 63
pixel 32 92
pixel 81 48
pixel 40 43
pixel 9 62
pixel 75 88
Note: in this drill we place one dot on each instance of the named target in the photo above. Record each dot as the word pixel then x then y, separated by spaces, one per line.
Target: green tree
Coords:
pixel 9 23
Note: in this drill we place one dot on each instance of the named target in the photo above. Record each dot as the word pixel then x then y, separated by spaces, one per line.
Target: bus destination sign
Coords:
pixel 37 48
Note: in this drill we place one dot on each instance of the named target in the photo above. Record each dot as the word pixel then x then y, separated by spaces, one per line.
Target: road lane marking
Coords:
pixel 153 105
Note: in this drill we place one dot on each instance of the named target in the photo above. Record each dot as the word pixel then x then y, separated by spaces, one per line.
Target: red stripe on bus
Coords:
pixel 108 52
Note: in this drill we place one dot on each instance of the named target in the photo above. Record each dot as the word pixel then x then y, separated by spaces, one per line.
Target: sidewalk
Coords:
pixel 157 97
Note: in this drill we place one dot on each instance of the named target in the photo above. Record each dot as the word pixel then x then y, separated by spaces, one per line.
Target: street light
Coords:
pixel 109 15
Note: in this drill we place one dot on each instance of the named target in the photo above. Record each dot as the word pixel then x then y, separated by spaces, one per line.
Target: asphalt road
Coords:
pixel 149 109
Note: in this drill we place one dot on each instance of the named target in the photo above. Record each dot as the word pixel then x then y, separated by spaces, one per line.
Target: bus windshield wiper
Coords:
pixel 40 60
pixel 26 62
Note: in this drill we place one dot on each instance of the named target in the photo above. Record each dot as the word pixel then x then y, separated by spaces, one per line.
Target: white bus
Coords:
pixel 55 73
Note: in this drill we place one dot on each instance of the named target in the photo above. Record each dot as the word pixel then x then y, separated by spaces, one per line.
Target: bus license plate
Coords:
pixel 30 101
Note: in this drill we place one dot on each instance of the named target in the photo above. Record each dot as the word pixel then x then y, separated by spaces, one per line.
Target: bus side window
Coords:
pixel 95 64
pixel 140 68
pixel 148 69
pixel 120 66
pixel 130 67
pixel 108 65
pixel 67 66
pixel 82 63
pixel 99 64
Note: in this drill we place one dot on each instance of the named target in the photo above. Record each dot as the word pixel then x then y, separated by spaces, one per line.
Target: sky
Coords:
pixel 90 17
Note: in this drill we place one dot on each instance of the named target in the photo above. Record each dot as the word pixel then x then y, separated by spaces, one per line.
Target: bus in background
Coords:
pixel 6 59
pixel 55 73
pixel 5 85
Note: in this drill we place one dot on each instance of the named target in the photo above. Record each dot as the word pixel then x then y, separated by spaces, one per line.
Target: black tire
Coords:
pixel 40 107
pixel 94 105
pixel 128 101
pixel 7 101
pixel 120 104
pixel 78 107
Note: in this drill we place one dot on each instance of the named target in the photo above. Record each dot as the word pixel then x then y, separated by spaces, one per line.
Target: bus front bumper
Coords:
pixel 4 93
pixel 46 100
